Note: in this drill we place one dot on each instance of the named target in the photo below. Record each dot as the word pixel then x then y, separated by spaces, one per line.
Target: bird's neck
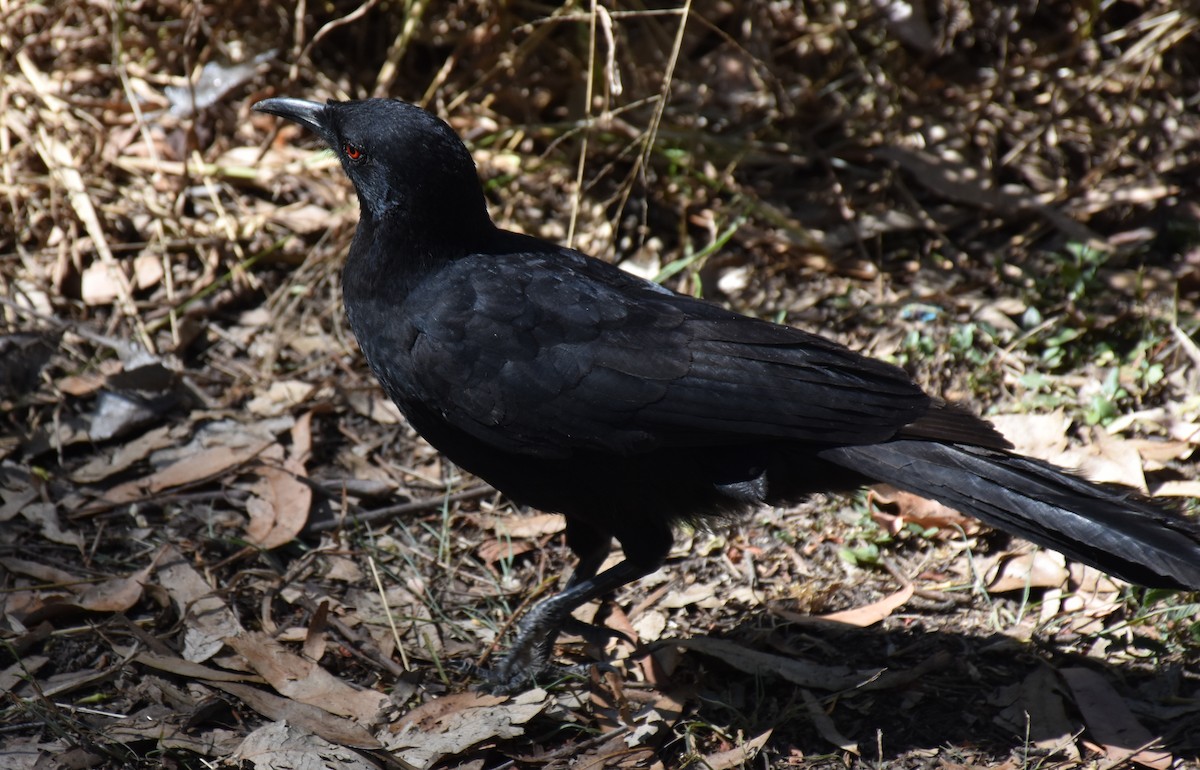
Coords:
pixel 390 256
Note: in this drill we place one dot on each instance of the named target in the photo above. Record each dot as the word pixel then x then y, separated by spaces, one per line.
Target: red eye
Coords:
pixel 352 151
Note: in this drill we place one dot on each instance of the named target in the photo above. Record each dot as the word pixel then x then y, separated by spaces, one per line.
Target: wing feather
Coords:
pixel 565 354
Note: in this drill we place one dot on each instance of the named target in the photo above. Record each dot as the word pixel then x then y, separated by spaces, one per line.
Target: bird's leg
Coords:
pixel 528 659
pixel 591 547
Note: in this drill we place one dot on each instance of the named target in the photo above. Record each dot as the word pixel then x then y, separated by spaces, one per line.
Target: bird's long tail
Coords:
pixel 1112 528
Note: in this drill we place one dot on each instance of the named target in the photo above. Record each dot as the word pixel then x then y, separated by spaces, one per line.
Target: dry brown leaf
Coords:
pixel 301 679
pixel 824 723
pixel 1091 583
pixel 304 218
pixel 163 732
pixel 66 433
pixel 343 569
pixel 1156 452
pixel 453 728
pixel 115 594
pixel 1030 569
pixel 738 756
pixel 204 464
pixel 1106 459
pixel 517 527
pixel 45 515
pixel 18 488
pixel 492 551
pixel 80 385
pixel 282 745
pixel 368 608
pixel 618 749
pixel 707 596
pixel 870 614
pixel 430 713
pixel 289 635
pixel 301 433
pixel 12 502
pixel 18 606
pixel 207 619
pixel 70 681
pixel 279 507
pixel 1111 723
pixel 1037 707
pixel 1043 436
pixel 1178 488
pixel 100 284
pixel 123 457
pixel 1185 430
pixel 42 572
pixel 999 315
pixel 918 510
pixel 757 663
pixel 188 669
pixel 650 625
pixel 315 638
pixel 147 270
pixel 668 708
pixel 374 407
pixel 19 673
pixel 338 730
pixel 282 396
pixel 1094 599
pixel 32 752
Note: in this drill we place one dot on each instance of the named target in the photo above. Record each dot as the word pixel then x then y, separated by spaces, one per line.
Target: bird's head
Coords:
pixel 408 167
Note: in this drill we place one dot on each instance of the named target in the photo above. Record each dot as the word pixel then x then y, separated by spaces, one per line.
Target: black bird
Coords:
pixel 572 386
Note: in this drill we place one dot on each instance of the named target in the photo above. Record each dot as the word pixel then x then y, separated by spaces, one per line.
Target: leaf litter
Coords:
pixel 220 543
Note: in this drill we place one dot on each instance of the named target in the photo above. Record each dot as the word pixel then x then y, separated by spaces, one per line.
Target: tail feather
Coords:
pixel 1109 527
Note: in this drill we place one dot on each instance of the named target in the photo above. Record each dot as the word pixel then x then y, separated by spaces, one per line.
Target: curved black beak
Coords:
pixel 311 115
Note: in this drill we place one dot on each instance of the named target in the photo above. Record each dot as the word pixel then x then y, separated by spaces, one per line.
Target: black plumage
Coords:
pixel 574 387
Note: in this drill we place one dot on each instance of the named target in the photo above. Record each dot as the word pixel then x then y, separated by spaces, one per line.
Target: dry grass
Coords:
pixel 197 470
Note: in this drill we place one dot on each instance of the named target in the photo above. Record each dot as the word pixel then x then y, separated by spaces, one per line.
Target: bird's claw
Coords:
pixel 504 680
pixel 528 663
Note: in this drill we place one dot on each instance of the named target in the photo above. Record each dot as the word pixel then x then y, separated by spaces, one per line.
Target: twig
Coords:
pixel 360 645
pixel 643 159
pixel 63 168
pixel 353 16
pixel 414 10
pixel 587 129
pixel 123 348
pixel 387 611
pixel 392 511
pixel 1187 343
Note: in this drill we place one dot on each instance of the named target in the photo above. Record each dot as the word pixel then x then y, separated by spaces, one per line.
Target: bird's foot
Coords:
pixel 527 662
pixel 505 679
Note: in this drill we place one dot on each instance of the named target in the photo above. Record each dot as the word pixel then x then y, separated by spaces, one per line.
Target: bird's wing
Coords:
pixel 549 353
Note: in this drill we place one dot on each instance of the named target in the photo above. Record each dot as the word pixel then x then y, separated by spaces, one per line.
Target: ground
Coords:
pixel 221 546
